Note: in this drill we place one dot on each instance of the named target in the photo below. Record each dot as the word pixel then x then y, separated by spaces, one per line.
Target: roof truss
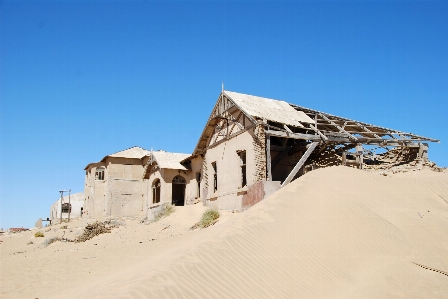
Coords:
pixel 343 130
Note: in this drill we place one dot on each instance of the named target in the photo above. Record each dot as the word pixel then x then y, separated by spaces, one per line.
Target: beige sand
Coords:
pixel 334 233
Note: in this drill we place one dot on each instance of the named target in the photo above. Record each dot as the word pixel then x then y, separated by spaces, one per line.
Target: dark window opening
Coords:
pixel 99 174
pixel 242 155
pixel 198 181
pixel 66 208
pixel 215 177
pixel 156 191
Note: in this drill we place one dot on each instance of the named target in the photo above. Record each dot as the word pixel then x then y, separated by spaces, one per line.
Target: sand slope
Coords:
pixel 334 233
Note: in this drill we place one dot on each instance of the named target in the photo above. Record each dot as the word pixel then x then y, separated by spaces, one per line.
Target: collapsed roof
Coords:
pixel 282 119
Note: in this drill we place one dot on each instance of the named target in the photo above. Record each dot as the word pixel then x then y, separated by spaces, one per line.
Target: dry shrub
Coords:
pixel 39 235
pixel 208 218
pixel 97 228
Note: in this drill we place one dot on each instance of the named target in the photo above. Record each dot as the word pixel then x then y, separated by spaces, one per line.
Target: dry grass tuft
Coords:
pixel 208 218
pixel 39 235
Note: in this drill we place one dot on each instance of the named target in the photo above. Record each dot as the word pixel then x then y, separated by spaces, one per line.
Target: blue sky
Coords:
pixel 83 79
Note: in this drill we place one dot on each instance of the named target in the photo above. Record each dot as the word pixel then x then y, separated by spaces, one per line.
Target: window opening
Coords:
pixel 242 155
pixel 215 177
pixel 198 181
pixel 99 174
pixel 156 191
pixel 66 208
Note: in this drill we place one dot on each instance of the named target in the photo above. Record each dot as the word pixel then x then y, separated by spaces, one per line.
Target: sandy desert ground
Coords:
pixel 334 233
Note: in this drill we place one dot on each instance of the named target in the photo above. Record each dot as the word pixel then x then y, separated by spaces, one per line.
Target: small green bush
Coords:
pixel 39 235
pixel 208 218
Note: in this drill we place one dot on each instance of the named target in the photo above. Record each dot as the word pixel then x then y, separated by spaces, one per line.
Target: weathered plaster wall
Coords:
pixel 191 194
pixel 76 201
pixel 124 195
pixel 229 193
pixel 94 191
pixel 121 193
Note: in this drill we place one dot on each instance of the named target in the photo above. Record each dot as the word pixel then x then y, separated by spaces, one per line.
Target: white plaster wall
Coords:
pixel 191 192
pixel 121 193
pixel 229 193
pixel 166 177
pixel 76 201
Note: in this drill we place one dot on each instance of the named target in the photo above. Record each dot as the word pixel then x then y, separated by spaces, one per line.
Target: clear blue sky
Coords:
pixel 83 79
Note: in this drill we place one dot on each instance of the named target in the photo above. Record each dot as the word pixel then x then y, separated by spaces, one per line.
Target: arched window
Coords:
pixel 156 191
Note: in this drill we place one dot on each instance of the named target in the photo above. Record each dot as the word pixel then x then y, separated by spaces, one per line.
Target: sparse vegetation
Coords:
pixel 51 241
pixel 64 227
pixel 30 243
pixel 208 218
pixel 167 209
pixel 97 228
pixel 39 235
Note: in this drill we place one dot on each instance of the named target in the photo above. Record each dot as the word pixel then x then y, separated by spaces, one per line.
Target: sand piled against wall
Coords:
pixel 334 233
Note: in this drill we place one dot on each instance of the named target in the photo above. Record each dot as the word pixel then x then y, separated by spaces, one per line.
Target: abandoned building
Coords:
pixel 249 148
pixel 72 206
pixel 133 181
pixel 252 146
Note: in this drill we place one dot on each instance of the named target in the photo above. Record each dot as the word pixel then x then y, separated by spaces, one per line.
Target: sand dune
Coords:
pixel 334 233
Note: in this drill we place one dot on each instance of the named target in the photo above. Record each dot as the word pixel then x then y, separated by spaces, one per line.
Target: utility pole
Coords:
pixel 62 193
pixel 69 204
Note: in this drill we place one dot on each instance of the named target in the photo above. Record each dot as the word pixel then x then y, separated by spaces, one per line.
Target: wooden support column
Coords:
pixel 268 157
pixel 344 158
pixel 300 163
pixel 359 155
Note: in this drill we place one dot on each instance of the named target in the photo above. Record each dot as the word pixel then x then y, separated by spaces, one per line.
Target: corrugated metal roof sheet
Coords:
pixel 273 110
pixel 170 160
pixel 132 153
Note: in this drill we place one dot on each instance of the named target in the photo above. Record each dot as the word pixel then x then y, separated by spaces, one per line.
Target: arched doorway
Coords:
pixel 179 184
pixel 156 191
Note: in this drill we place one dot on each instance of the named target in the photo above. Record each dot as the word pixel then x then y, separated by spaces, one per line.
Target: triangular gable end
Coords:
pixel 224 120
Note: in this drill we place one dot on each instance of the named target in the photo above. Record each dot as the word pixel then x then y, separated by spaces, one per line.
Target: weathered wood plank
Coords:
pixel 300 163
pixel 292 135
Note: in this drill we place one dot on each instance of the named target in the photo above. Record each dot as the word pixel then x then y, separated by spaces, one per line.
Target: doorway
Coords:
pixel 179 184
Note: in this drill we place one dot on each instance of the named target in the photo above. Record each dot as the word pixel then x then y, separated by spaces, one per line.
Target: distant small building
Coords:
pixel 73 204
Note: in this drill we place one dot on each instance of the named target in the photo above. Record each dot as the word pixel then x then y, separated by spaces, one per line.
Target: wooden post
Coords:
pixel 423 151
pixel 268 157
pixel 344 158
pixel 300 163
pixel 359 154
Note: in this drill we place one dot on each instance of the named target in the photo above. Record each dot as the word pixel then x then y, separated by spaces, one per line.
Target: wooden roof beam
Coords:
pixel 339 128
